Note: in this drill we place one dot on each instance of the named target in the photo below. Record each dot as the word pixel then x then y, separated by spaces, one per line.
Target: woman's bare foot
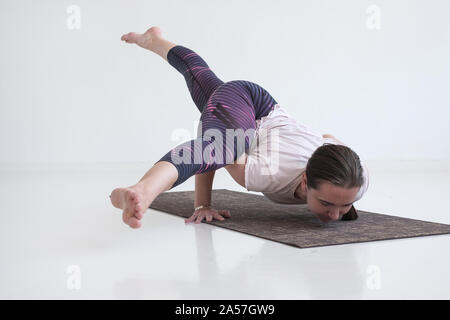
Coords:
pixel 133 202
pixel 143 40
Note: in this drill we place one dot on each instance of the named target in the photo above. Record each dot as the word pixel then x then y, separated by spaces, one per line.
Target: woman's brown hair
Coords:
pixel 337 164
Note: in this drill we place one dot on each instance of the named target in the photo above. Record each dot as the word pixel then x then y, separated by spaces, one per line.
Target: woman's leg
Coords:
pixel 262 100
pixel 151 40
pixel 201 82
pixel 235 105
pixel 200 79
pixel 135 199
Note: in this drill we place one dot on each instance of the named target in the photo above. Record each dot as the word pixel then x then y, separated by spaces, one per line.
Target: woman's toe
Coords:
pixel 130 37
pixel 134 223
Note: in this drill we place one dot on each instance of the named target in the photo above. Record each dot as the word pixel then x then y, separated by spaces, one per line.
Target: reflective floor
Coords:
pixel 62 239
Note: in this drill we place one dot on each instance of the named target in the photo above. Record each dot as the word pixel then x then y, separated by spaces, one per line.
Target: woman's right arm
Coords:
pixel 203 188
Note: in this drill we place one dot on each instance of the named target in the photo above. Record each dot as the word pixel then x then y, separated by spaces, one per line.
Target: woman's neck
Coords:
pixel 300 191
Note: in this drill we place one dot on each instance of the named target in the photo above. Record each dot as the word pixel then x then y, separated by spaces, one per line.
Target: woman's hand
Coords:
pixel 209 214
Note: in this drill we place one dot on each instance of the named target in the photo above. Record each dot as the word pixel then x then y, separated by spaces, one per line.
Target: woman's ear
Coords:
pixel 350 215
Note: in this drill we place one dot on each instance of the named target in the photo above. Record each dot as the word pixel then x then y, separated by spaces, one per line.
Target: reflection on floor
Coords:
pixel 61 238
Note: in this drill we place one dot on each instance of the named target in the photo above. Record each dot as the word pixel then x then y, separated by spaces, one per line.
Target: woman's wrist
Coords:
pixel 201 207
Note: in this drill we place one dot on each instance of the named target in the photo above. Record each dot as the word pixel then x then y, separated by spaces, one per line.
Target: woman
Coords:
pixel 301 167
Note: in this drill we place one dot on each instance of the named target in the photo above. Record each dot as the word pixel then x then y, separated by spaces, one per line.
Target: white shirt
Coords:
pixel 278 156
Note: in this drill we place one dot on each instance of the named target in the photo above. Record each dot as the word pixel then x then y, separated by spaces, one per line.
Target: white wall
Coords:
pixel 85 96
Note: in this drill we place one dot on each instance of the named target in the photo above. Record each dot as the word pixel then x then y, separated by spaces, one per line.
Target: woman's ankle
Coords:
pixel 149 193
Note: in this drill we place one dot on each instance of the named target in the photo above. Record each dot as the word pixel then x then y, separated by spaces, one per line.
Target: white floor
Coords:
pixel 62 239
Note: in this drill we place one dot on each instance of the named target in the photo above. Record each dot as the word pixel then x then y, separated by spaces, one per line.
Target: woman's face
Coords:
pixel 330 202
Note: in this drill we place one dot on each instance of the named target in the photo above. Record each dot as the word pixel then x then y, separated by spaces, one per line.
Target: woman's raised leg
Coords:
pixel 151 40
pixel 200 79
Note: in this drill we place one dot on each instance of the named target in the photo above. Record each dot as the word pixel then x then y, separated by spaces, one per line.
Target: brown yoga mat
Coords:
pixel 294 224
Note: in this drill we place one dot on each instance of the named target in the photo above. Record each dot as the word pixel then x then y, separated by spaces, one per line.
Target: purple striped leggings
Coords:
pixel 228 116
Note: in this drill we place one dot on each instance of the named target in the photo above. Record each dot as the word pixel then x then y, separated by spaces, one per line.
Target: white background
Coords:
pixel 82 113
pixel 85 96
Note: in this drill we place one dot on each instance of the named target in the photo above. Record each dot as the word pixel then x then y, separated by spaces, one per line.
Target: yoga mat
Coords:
pixel 294 224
